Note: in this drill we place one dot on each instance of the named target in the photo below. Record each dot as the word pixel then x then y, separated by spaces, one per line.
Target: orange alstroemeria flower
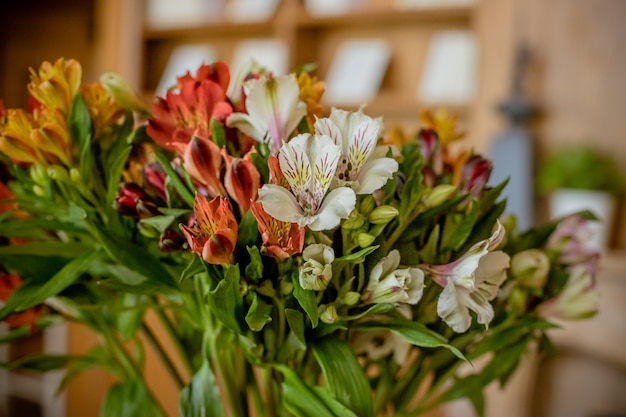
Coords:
pixel 213 234
pixel 311 91
pixel 15 140
pixel 52 135
pixel 8 284
pixel 217 71
pixel 241 180
pixel 188 111
pixel 203 162
pixel 442 122
pixel 55 85
pixel 281 240
pixel 103 109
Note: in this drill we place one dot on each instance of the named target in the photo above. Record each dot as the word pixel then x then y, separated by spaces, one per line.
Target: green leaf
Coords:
pixel 302 401
pixel 40 362
pixel 248 230
pixel 343 375
pixel 128 399
pixel 307 300
pixel 130 320
pixel 259 313
pixel 201 398
pixel 357 257
pixel 79 122
pixel 254 270
pixel 175 180
pixel 261 165
pixel 226 302
pixel 296 324
pixel 23 331
pixel 116 161
pixel 29 296
pixel 55 248
pixel 413 332
pixel 160 223
pixel 457 228
pixel 135 258
pixel 218 135
pixel 428 254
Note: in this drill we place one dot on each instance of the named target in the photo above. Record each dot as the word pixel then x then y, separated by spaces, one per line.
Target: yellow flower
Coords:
pixel 442 122
pixel 311 91
pixel 52 135
pixel 55 85
pixel 15 140
pixel 102 107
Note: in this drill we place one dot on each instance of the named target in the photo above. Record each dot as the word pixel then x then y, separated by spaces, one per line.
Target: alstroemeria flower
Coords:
pixel 530 268
pixel 187 112
pixel 473 175
pixel 217 72
pixel 442 122
pixel 55 85
pixel 15 140
pixel 390 284
pixel 213 234
pixel 578 299
pixel 103 109
pixel 132 200
pixel 359 166
pixel 316 271
pixel 52 135
pixel 274 111
pixel 281 240
pixel 242 180
pixel 203 162
pixel 471 282
pixel 308 164
pixel 570 240
pixel 311 91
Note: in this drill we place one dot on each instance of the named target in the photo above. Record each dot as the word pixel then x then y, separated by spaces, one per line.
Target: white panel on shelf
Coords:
pixel 182 59
pixel 241 11
pixel 430 4
pixel 322 8
pixel 168 14
pixel 449 75
pixel 357 71
pixel 270 53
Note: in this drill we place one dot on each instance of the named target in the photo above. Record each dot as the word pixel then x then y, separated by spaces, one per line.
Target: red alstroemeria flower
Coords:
pixel 202 160
pixel 188 111
pixel 242 180
pixel 9 282
pixel 474 175
pixel 281 240
pixel 217 72
pixel 213 234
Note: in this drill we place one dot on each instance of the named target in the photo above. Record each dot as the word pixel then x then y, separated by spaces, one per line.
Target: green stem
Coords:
pixel 402 226
pixel 173 335
pixel 125 361
pixel 163 356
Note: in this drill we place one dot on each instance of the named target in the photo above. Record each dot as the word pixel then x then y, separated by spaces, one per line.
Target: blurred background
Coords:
pixel 529 80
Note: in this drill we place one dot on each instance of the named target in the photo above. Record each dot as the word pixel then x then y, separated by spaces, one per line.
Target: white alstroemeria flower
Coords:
pixel 388 284
pixel 578 300
pixel 274 110
pixel 316 271
pixel 308 163
pixel 471 282
pixel 362 166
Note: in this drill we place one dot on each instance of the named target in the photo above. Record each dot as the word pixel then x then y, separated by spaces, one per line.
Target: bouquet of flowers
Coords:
pixel 303 263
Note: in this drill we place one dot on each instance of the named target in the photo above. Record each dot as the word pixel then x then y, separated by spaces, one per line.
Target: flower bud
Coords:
pixel 353 222
pixel 38 190
pixel 438 195
pixel 58 173
pixel 316 272
pixel 365 239
pixel 266 288
pixel 383 214
pixel 38 174
pixel 155 176
pixel 530 268
pixel 132 200
pixel 286 287
pixel 75 175
pixel 367 204
pixel 351 298
pixel 170 241
pixel 329 315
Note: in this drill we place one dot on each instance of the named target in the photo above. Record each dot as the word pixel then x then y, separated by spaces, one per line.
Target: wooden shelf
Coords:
pixel 209 31
pixel 386 17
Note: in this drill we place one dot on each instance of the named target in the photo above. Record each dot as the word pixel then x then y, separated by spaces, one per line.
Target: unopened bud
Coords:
pixel 530 268
pixel 266 288
pixel 383 214
pixel 365 239
pixel 351 298
pixel 38 174
pixel 367 204
pixel 75 175
pixel 38 190
pixel 353 222
pixel 286 287
pixel 439 195
pixel 58 173
pixel 329 315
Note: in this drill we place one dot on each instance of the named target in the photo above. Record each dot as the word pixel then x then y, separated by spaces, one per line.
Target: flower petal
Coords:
pixel 337 205
pixel 279 203
pixel 453 312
